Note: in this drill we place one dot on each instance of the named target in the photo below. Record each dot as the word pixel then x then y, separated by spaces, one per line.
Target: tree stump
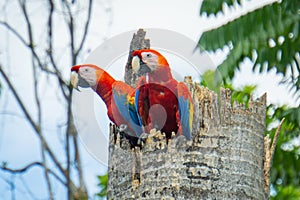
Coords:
pixel 224 159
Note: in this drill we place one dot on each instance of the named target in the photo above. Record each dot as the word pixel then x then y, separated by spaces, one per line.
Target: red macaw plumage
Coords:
pixel 161 101
pixel 117 95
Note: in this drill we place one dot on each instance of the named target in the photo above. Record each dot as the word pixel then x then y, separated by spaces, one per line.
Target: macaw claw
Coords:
pixel 142 139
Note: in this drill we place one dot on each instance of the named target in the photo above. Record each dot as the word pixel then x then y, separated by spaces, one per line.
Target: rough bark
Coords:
pixel 224 160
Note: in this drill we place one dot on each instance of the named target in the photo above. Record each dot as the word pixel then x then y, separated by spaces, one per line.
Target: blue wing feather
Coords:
pixel 137 93
pixel 127 110
pixel 186 110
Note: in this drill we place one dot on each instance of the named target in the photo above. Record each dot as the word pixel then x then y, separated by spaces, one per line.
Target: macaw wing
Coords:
pixel 186 109
pixel 140 101
pixel 123 96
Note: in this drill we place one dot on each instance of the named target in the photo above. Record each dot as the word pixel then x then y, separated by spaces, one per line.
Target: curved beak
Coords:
pixel 139 67
pixel 135 64
pixel 75 80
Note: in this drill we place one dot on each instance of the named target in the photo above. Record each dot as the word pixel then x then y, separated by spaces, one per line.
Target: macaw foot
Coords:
pixel 142 139
pixel 180 140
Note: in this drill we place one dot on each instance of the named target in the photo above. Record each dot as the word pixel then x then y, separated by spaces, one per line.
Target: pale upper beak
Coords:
pixel 75 80
pixel 135 64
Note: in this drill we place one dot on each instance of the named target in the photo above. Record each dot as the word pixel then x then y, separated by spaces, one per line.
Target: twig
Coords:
pixel 46 173
pixel 11 183
pixel 78 161
pixel 61 82
pixel 19 36
pixel 68 153
pixel 87 23
pixel 15 32
pixel 272 149
pixel 71 132
pixel 70 24
pixel 76 147
pixel 268 157
pixel 36 128
pixel 23 169
pixel 31 44
pixel 29 166
pixel 20 102
pixel 37 98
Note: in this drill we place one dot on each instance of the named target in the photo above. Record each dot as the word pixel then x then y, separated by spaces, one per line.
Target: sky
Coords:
pixel 111 19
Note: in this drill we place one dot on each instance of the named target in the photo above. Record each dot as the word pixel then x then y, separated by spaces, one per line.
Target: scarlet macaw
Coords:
pixel 117 96
pixel 161 101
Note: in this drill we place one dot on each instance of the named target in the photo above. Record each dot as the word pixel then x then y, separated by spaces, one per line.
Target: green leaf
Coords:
pixel 215 6
pixel 103 181
pixel 251 33
pixel 208 80
pixel 242 95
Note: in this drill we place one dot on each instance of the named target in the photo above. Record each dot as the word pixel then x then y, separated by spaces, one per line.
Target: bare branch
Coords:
pixel 11 183
pixel 78 161
pixel 21 170
pixel 15 32
pixel 16 95
pixel 61 82
pixel 70 22
pixel 68 164
pixel 40 64
pixel 36 128
pixel 28 167
pixel 36 94
pixel 71 132
pixel 67 147
pixel 87 23
pixel 31 46
pixel 19 36
pixel 37 99
pixel 28 23
pixel 46 173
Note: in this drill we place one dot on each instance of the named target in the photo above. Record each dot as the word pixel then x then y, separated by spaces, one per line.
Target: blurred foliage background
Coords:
pixel 269 37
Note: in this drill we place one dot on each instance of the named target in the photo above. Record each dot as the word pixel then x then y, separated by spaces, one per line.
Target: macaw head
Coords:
pixel 86 75
pixel 148 60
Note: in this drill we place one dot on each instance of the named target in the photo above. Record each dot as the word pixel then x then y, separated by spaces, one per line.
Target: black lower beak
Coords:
pixel 144 69
pixel 82 83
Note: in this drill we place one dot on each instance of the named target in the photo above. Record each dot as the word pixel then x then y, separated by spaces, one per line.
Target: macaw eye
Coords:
pixel 86 69
pixel 148 55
